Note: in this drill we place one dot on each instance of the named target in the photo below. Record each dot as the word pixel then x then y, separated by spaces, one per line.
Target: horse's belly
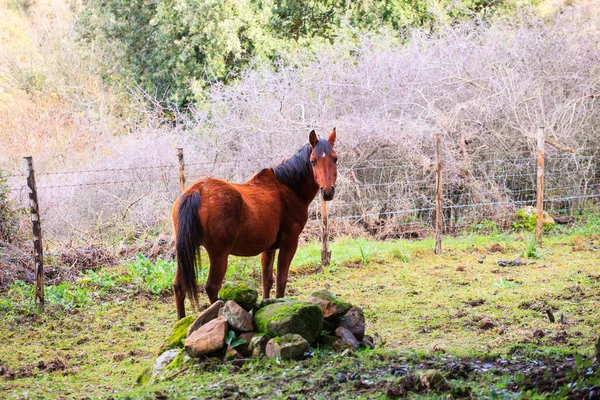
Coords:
pixel 249 245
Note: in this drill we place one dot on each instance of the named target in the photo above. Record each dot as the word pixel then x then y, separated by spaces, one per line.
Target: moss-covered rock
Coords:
pixel 144 377
pixel 302 318
pixel 179 361
pixel 526 218
pixel 267 302
pixel 179 333
pixel 332 306
pixel 242 293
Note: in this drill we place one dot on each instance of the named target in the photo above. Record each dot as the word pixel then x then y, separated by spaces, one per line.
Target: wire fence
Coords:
pixel 378 196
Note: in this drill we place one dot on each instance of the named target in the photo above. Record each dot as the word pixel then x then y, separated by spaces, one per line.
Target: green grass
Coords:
pixel 110 323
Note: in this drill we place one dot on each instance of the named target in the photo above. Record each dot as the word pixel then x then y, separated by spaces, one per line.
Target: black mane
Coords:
pixel 295 170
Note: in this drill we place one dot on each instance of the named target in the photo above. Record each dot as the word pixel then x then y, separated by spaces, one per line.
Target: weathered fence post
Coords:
pixel 38 253
pixel 539 219
pixel 438 195
pixel 181 170
pixel 325 253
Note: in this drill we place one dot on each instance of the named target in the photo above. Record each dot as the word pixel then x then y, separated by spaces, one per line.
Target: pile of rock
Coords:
pixel 237 327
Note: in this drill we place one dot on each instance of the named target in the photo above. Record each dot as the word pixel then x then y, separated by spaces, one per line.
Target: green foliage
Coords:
pixel 66 295
pixel 142 274
pixel 169 47
pixel 154 277
pixel 173 48
pixel 486 227
pixel 232 341
pixel 401 254
pixel 526 218
pixel 20 297
pixel 8 216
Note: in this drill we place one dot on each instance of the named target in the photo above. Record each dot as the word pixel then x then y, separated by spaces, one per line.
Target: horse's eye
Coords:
pixel 334 159
pixel 313 163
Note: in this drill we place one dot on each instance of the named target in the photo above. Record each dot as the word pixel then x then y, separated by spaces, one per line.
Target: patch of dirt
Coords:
pixel 353 265
pixel 42 367
pixel 561 337
pixel 496 248
pixel 310 269
pixel 475 303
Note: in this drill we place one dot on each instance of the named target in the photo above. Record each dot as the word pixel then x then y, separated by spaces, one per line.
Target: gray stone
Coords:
pixel 347 337
pixel 163 360
pixel 287 347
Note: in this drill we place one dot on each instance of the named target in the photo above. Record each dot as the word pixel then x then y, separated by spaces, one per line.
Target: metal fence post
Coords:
pixel 38 253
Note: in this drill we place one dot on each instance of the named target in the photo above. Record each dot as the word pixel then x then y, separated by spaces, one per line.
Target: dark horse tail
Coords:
pixel 187 246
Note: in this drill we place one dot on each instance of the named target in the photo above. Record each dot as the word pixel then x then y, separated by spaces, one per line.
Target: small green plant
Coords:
pixel 532 250
pixel 505 284
pixel 365 254
pixel 232 341
pixel 401 254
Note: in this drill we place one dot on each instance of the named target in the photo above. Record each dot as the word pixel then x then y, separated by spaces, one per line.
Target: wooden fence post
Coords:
pixel 325 253
pixel 539 219
pixel 438 195
pixel 181 170
pixel 38 253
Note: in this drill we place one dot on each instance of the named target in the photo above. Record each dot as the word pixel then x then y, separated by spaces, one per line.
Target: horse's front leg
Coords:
pixel 216 273
pixel 286 254
pixel 266 261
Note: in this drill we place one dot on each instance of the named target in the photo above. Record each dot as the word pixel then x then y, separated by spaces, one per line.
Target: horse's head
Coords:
pixel 323 160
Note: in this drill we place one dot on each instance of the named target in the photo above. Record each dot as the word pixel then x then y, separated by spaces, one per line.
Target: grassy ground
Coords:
pixel 423 310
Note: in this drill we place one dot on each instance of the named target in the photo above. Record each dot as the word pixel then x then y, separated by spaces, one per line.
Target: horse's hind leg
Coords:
pixel 286 254
pixel 266 260
pixel 179 297
pixel 218 267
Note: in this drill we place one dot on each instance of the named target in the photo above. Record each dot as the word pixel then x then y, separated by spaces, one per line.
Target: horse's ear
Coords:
pixel 331 138
pixel 312 138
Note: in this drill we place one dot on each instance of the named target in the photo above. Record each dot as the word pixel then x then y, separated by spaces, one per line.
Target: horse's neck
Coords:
pixel 308 191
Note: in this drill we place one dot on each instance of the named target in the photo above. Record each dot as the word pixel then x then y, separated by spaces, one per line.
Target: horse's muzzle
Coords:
pixel 328 196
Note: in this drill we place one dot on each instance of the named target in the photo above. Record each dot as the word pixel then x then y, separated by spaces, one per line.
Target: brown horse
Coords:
pixel 257 217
